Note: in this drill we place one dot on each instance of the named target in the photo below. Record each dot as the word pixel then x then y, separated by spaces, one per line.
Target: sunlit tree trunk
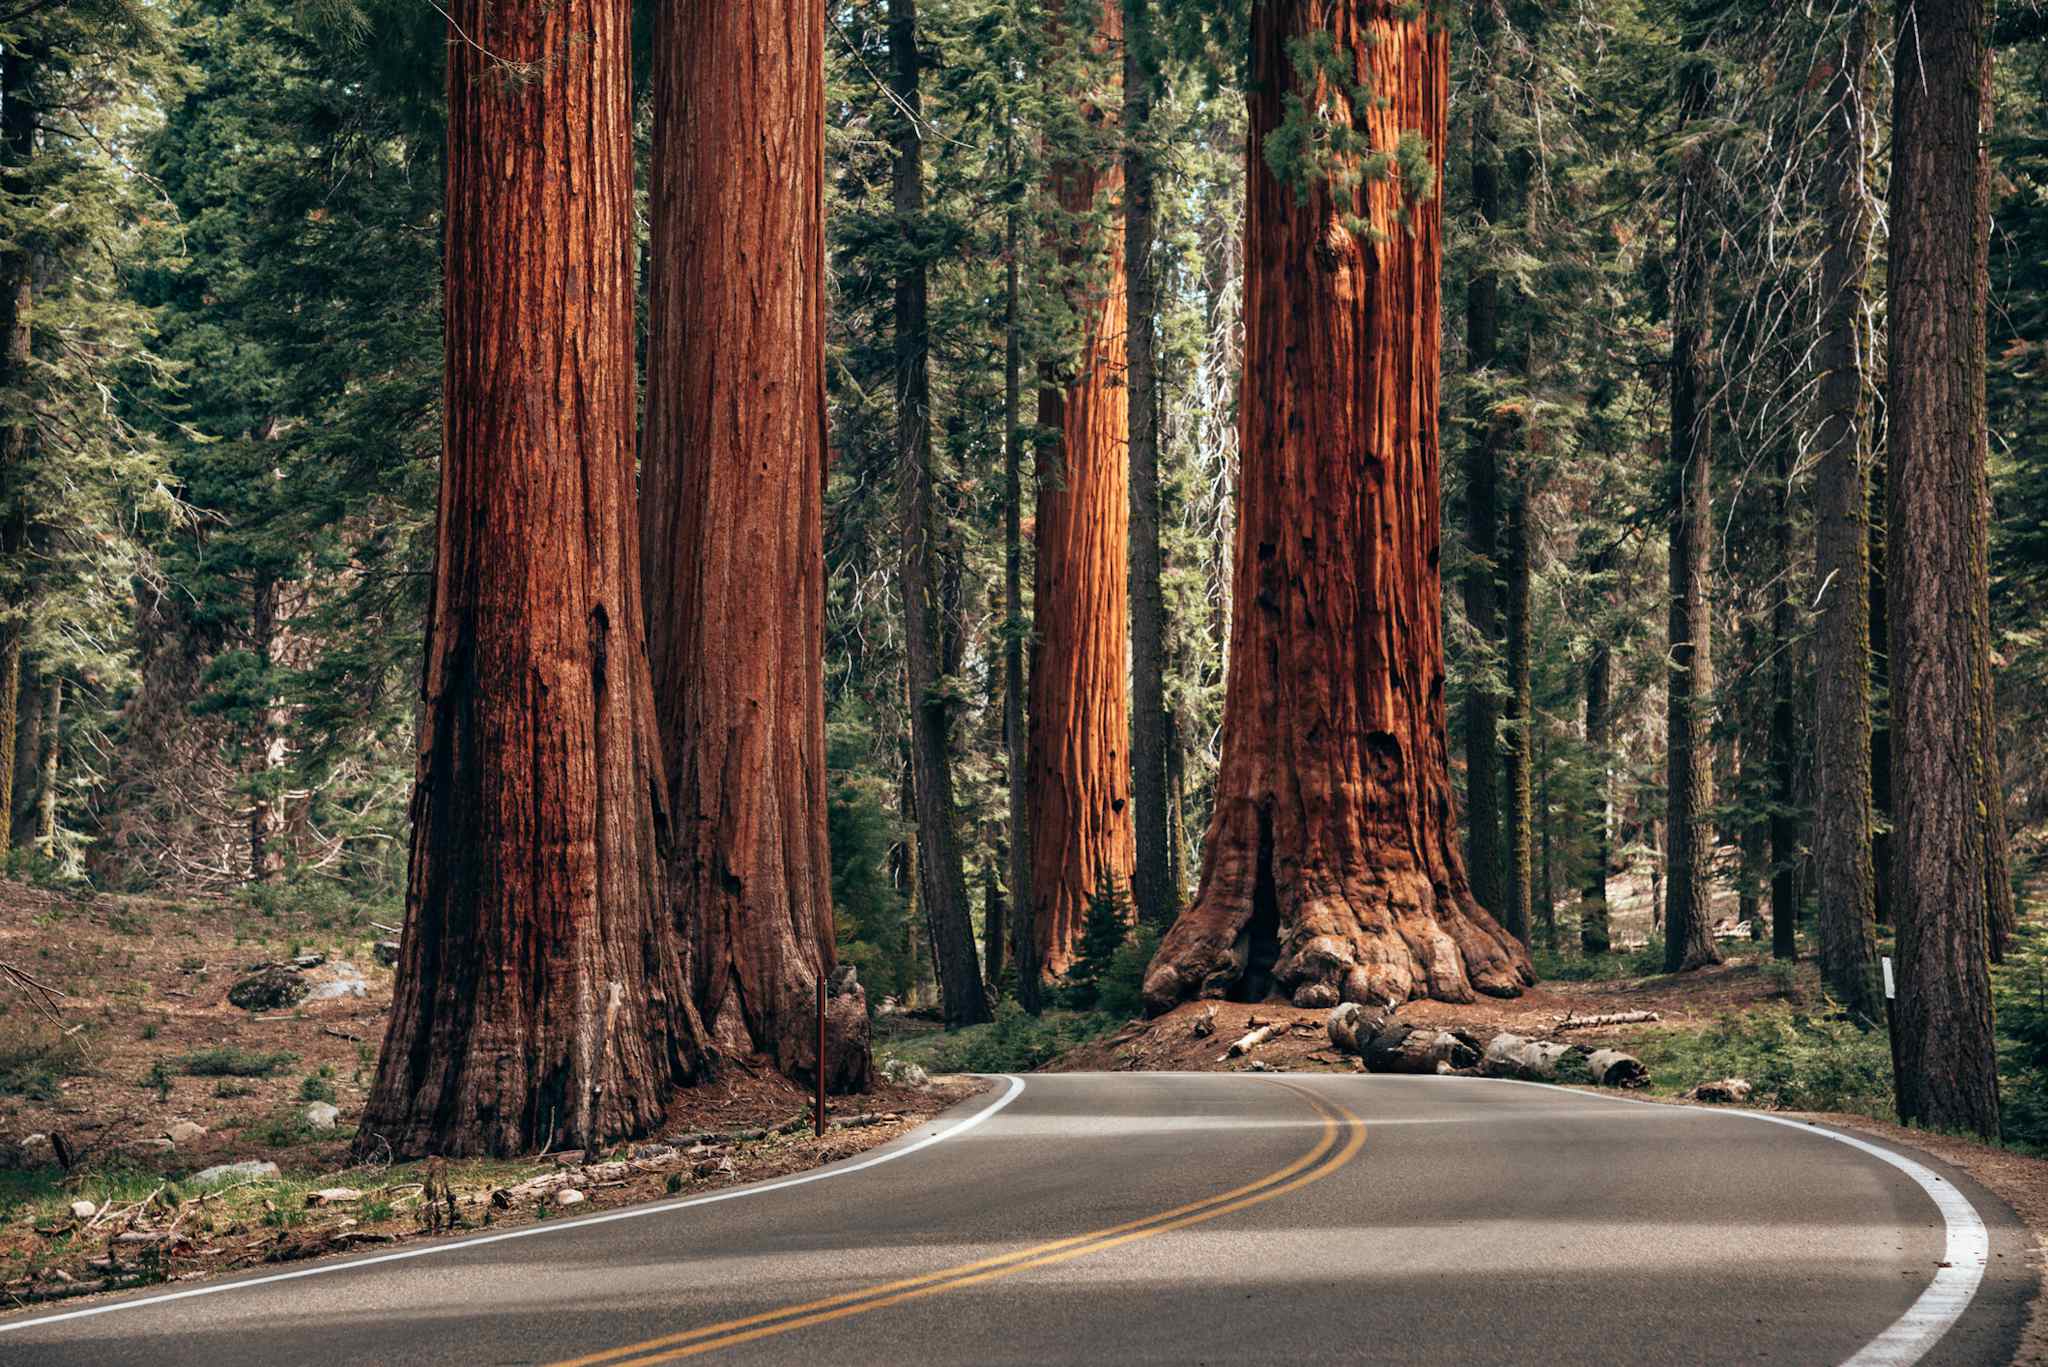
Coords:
pixel 732 513
pixel 1081 834
pixel 17 150
pixel 543 989
pixel 1331 868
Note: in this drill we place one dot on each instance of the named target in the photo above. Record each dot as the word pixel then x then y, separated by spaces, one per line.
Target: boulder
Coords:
pixel 568 1196
pixel 83 1210
pixel 233 1172
pixel 1727 1089
pixel 342 980
pixel 905 1074
pixel 321 1116
pixel 271 988
pixel 185 1132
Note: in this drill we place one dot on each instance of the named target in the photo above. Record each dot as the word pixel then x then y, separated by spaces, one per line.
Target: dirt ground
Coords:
pixel 135 1073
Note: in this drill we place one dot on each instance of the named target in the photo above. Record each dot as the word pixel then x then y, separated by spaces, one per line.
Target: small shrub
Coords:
pixel 228 1091
pixel 375 1211
pixel 35 1057
pixel 317 1086
pixel 228 1060
pixel 158 1079
pixel 674 1183
pixel 1103 936
pixel 149 1031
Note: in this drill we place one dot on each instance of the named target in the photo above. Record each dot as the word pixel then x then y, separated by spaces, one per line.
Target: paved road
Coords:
pixel 1189 1218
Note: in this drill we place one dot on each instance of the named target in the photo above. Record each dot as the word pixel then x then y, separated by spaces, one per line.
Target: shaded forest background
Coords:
pixel 222 435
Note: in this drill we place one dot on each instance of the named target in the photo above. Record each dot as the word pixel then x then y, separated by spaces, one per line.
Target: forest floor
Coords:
pixel 141 1075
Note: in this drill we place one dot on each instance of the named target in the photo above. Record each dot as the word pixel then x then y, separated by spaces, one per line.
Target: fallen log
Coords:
pixel 1613 1068
pixel 1351 1027
pixel 1244 1044
pixel 1511 1056
pixel 1420 1049
pixel 1617 1018
pixel 1205 1025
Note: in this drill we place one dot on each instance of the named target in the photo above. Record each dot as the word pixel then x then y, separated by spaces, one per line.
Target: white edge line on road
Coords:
pixel 1966 1254
pixel 550 1227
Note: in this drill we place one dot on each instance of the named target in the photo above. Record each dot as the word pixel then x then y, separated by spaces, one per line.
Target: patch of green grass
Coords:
pixel 1797 1060
pixel 1015 1041
pixel 1556 965
pixel 317 1086
pixel 228 1060
pixel 228 1091
pixel 36 1057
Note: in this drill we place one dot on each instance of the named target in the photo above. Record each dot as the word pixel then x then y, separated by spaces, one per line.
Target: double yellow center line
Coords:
pixel 1318 1163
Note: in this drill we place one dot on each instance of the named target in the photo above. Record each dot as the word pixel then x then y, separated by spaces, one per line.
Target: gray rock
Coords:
pixel 83 1210
pixel 654 1153
pixel 185 1132
pixel 344 981
pixel 269 989
pixel 321 1116
pixel 568 1196
pixel 905 1074
pixel 232 1172
pixel 387 953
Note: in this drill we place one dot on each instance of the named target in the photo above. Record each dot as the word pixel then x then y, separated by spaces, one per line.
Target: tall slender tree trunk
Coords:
pixel 1332 853
pixel 732 515
pixel 1518 760
pixel 17 300
pixel 554 1004
pixel 1152 893
pixel 28 757
pixel 1784 724
pixel 1016 735
pixel 268 747
pixel 1947 1073
pixel 1880 690
pixel 943 882
pixel 1593 925
pixel 1688 921
pixel 50 762
pixel 1486 856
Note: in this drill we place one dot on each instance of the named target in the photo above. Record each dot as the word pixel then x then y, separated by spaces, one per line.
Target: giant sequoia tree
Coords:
pixel 542 985
pixel 1947 1066
pixel 1080 770
pixel 1331 869
pixel 732 514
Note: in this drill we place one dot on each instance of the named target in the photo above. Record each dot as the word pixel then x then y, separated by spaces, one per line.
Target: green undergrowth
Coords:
pixel 1797 1060
pixel 1015 1041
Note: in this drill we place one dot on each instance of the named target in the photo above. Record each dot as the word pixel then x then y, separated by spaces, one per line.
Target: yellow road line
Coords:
pixel 732 1333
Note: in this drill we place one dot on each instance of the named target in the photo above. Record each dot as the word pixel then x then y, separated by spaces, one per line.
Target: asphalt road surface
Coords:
pixel 1186 1218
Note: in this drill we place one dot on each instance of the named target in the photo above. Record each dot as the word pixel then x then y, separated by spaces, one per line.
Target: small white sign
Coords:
pixel 1890 992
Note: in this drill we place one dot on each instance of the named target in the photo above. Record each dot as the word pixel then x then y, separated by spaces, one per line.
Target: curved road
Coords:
pixel 1187 1218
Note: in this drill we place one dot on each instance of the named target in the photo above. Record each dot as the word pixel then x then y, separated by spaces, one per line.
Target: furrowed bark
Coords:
pixel 1082 839
pixel 535 907
pixel 1688 928
pixel 943 881
pixel 1152 892
pixel 1946 1060
pixel 732 516
pixel 1593 924
pixel 1016 749
pixel 1331 869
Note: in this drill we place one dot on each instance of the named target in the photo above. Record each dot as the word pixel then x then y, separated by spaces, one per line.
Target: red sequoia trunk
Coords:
pixel 732 513
pixel 1080 770
pixel 542 989
pixel 1332 855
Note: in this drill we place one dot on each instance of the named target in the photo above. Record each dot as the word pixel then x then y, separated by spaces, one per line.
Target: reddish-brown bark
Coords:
pixel 733 469
pixel 1080 763
pixel 542 991
pixel 1332 854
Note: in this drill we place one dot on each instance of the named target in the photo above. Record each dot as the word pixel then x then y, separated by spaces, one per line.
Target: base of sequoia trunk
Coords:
pixel 1398 941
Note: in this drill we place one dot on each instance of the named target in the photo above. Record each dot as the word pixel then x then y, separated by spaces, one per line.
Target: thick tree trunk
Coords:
pixel 1016 738
pixel 943 883
pixel 1593 926
pixel 1688 922
pixel 732 515
pixel 1152 892
pixel 1332 854
pixel 1947 1074
pixel 1518 759
pixel 1784 739
pixel 543 987
pixel 1082 839
pixel 1485 855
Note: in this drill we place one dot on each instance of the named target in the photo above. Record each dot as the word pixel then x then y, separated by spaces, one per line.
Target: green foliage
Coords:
pixel 1015 1041
pixel 228 1060
pixel 317 1086
pixel 1104 933
pixel 1796 1060
pixel 36 1056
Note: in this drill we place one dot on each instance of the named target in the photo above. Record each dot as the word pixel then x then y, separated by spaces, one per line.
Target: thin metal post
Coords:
pixel 821 1052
